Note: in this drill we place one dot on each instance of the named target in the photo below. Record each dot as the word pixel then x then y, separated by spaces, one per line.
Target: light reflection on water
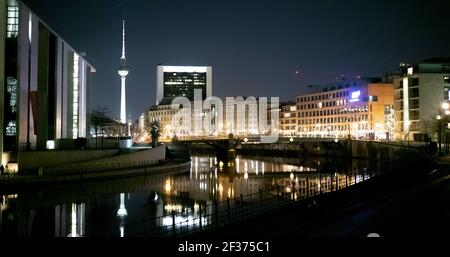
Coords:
pixel 117 208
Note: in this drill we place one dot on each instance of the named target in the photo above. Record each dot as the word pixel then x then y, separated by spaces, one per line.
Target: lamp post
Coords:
pixel 443 124
pixel 408 126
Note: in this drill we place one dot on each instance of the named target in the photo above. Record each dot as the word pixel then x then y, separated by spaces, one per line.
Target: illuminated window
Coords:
pixel 410 71
pixel 447 80
pixel 50 145
pixel 12 20
pixel 11 129
pixel 11 88
pixel 447 93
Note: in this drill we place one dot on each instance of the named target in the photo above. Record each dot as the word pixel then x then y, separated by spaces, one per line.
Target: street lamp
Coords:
pixel 408 128
pixel 442 123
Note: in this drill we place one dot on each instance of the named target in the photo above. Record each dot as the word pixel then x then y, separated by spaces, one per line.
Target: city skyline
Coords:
pixel 300 43
pixel 205 122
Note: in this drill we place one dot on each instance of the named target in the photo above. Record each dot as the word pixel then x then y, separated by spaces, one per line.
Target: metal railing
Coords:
pixel 221 213
pixel 92 168
pixel 85 171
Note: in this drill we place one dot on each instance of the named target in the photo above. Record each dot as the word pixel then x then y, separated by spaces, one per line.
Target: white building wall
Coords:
pixel 159 84
pixel 431 90
pixel 64 101
pixel 82 101
pixel 59 88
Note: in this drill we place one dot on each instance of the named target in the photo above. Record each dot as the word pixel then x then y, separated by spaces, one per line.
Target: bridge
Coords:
pixel 226 148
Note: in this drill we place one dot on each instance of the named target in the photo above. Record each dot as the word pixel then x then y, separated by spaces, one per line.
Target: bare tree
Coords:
pixel 100 119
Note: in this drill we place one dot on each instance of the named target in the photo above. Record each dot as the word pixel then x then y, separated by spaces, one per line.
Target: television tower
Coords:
pixel 123 72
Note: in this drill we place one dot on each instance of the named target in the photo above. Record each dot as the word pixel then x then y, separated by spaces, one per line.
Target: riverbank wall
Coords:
pixel 342 149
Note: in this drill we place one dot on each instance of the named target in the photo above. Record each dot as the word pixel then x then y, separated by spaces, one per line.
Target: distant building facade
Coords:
pixel 288 119
pixel 238 118
pixel 420 91
pixel 44 84
pixel 361 108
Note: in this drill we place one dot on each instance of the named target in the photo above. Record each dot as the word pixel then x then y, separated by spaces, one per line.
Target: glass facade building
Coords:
pixel 44 85
pixel 182 81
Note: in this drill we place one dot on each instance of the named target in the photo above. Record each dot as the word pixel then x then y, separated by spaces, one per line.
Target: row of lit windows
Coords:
pixel 342 119
pixel 323 96
pixel 331 128
pixel 164 113
pixel 323 105
pixel 333 112
pixel 289 127
pixel 289 122
pixel 178 83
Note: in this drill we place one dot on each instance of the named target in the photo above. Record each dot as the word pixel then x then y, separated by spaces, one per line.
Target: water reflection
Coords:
pixel 77 220
pixel 131 206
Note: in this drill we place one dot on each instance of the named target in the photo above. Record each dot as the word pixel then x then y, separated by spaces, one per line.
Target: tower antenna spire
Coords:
pixel 123 39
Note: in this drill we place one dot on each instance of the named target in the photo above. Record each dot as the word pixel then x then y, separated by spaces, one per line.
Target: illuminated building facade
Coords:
pixel 288 119
pixel 181 81
pixel 240 117
pixel 420 90
pixel 163 115
pixel 245 117
pixel 361 108
pixel 44 84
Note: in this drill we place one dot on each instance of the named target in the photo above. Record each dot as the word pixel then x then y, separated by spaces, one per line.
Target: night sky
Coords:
pixel 256 47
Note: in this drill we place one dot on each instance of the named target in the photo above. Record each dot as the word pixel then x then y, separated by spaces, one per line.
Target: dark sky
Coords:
pixel 254 46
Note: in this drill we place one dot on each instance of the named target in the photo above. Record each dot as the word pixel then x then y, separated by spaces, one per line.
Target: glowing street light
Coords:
pixel 446 106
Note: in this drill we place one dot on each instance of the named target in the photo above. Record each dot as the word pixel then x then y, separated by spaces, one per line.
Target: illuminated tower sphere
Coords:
pixel 123 72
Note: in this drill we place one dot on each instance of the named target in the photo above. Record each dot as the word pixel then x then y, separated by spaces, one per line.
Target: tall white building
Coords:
pixel 123 72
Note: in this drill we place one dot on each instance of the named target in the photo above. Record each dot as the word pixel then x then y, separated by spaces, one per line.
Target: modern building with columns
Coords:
pixel 44 85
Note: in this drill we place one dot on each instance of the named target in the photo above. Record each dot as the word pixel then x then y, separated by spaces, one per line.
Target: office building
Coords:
pixel 181 81
pixel 44 84
pixel 361 108
pixel 420 91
